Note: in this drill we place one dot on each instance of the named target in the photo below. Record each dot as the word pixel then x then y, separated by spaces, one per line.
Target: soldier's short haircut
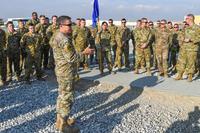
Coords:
pixel 31 24
pixel 123 19
pixel 164 20
pixel 110 20
pixel 139 20
pixel 169 22
pixel 42 16
pixel 176 24
pixel 20 20
pixel 34 13
pixel 104 22
pixel 9 22
pixel 78 18
pixel 82 19
pixel 61 20
pixel 142 19
pixel 54 16
pixel 191 15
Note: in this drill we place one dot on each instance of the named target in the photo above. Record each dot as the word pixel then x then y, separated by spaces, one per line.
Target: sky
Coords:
pixel 173 10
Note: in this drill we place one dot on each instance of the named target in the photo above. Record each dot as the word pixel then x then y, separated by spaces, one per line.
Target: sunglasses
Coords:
pixel 67 24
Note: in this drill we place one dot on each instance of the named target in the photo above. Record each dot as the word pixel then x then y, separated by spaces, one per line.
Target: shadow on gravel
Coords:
pixel 19 99
pixel 191 125
pixel 102 114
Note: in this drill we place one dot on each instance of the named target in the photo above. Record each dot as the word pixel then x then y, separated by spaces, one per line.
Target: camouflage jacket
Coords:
pixel 113 30
pixel 51 30
pixel 123 36
pixel 13 41
pixel 162 38
pixel 31 21
pixel 2 40
pixel 92 37
pixel 103 40
pixel 192 33
pixel 22 31
pixel 65 55
pixel 81 38
pixel 31 43
pixel 142 35
pixel 41 29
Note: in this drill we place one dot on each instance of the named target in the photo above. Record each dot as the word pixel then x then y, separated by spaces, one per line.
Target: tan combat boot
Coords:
pixel 136 71
pixel 166 75
pixel 179 77
pixel 149 72
pixel 143 69
pixel 189 78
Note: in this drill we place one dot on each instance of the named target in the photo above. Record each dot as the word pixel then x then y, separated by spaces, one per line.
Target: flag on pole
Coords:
pixel 95 13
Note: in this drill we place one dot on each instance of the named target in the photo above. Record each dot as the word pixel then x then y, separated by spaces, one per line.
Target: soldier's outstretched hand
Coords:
pixel 88 51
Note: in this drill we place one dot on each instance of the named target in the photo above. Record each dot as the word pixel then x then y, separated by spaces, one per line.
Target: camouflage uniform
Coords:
pixel 113 30
pixel 3 61
pixel 13 53
pixel 188 53
pixel 92 43
pixel 41 29
pixel 22 31
pixel 31 45
pixel 123 36
pixel 162 40
pixel 143 35
pixel 103 44
pixel 81 38
pixel 31 21
pixel 66 59
pixel 153 48
pixel 50 31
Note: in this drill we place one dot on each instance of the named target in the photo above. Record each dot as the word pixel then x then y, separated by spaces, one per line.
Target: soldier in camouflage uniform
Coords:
pixel 142 45
pixel 174 47
pixel 81 38
pixel 93 31
pixel 21 30
pixel 123 36
pixel 162 39
pixel 31 47
pixel 152 45
pixel 34 20
pixel 188 56
pixel 50 31
pixel 103 44
pixel 3 62
pixel 113 30
pixel 41 29
pixel 66 59
pixel 13 50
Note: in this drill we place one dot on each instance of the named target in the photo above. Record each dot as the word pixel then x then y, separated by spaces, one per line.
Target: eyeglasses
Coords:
pixel 67 24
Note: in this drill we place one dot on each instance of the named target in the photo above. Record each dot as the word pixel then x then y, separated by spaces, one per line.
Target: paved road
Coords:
pixel 154 82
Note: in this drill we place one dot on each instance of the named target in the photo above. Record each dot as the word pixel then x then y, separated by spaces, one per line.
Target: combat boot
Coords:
pixel 166 75
pixel 136 71
pixel 85 67
pixel 66 126
pixel 189 78
pixel 143 69
pixel 148 72
pixel 179 77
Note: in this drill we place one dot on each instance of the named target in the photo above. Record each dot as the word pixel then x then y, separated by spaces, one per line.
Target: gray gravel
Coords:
pixel 97 108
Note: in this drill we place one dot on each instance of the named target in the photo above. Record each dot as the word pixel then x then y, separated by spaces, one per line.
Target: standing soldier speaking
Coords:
pixel 66 59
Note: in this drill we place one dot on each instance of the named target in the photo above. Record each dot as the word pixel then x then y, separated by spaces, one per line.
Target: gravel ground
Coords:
pixel 98 108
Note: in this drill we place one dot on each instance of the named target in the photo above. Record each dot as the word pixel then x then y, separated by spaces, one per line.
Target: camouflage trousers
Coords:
pixel 154 56
pixel 122 51
pixel 3 66
pixel 162 56
pixel 51 63
pixel 44 55
pixel 143 57
pixel 187 61
pixel 13 59
pixel 105 55
pixel 31 60
pixel 65 96
pixel 114 49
